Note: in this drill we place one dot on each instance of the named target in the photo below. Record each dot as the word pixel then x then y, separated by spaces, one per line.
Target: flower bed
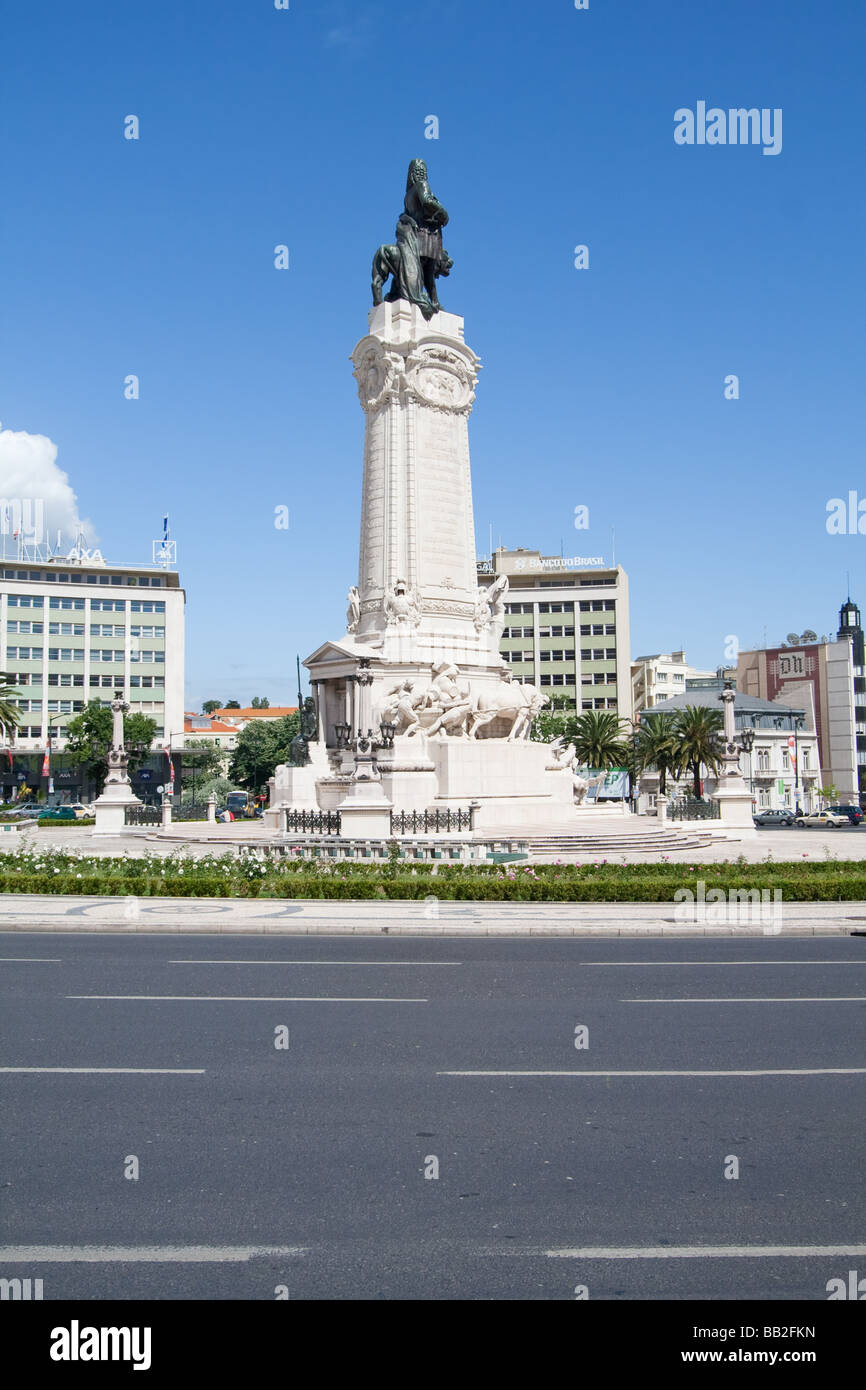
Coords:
pixel 52 870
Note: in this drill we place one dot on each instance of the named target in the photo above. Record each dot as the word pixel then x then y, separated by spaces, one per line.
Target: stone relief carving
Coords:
pixel 448 707
pixel 375 374
pixel 436 377
pixel 490 608
pixel 403 606
pixel 353 612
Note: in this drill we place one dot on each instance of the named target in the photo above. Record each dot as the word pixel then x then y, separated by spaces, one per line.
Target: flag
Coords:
pixel 8 752
pixel 792 751
pixel 165 528
pixel 46 764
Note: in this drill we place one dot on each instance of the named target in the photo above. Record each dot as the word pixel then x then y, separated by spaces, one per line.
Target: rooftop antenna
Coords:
pixel 491 542
pixel 613 547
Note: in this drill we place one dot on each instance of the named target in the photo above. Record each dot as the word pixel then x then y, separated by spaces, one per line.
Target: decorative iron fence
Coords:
pixel 196 813
pixel 313 822
pixel 142 815
pixel 693 810
pixel 423 822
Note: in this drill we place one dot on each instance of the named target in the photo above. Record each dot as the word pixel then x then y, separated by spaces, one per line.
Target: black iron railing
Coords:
pixel 693 810
pixel 142 815
pixel 189 813
pixel 423 822
pixel 313 822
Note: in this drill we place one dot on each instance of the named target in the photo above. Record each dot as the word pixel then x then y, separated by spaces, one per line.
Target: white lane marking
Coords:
pixel 142 1254
pixel 840 961
pixel 783 999
pixel 246 999
pixel 21 960
pixel 109 1071
pixel 704 1252
pixel 315 962
pixel 801 1071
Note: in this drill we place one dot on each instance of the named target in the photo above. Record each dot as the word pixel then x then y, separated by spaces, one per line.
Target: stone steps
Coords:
pixel 608 841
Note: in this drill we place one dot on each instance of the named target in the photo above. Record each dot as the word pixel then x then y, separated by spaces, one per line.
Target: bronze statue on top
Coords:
pixel 419 257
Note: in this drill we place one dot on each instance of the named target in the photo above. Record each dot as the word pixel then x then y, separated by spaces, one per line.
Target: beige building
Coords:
pixel 661 676
pixel 566 627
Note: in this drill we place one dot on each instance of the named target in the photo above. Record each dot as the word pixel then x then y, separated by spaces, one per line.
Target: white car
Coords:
pixel 831 820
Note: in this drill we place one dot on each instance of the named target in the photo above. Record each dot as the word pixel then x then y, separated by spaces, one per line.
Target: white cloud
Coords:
pixel 39 492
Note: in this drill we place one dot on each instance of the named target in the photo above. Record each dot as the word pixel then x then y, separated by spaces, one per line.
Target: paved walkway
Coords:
pixel 787 844
pixel 35 912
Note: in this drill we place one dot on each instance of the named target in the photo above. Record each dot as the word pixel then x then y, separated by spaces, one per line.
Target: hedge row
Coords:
pixel 471 887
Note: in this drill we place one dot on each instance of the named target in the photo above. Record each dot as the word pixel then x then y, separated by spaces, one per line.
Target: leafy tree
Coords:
pixel 10 716
pixel 598 740
pixel 200 760
pixel 657 745
pixel 231 704
pixel 697 734
pixel 260 747
pixel 92 728
pixel 260 702
pixel 220 786
pixel 208 706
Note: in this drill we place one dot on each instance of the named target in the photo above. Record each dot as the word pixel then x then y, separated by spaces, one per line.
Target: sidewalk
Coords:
pixel 26 912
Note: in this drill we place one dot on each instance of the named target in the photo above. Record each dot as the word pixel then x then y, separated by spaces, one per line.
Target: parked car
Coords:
pixel 25 808
pixel 79 808
pixel 854 814
pixel 58 813
pixel 831 820
pixel 773 818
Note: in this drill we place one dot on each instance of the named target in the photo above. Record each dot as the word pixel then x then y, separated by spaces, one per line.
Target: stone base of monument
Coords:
pixel 735 811
pixel 294 788
pixel 365 812
pixel 111 808
pixel 510 782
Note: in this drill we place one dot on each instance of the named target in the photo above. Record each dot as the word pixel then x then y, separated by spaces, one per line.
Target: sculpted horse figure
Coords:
pixel 516 703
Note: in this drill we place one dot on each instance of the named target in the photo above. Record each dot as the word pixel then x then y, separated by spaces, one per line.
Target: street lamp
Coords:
pixel 747 740
pixel 799 723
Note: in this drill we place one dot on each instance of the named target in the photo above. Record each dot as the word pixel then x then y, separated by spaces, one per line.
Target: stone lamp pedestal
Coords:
pixel 732 794
pixel 117 795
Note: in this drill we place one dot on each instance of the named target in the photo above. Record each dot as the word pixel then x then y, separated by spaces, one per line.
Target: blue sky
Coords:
pixel 602 387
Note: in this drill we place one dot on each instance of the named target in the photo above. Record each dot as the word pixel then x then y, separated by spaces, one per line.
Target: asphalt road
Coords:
pixel 301 1169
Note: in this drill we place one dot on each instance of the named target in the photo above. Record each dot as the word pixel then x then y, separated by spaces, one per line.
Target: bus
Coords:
pixel 240 804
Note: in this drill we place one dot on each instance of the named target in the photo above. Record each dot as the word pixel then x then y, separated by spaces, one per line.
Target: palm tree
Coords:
pixel 9 715
pixel 657 745
pixel 697 738
pixel 598 740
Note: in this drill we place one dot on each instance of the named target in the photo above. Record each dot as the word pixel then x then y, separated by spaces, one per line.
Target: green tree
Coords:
pixel 598 740
pixel 208 706
pixel 10 717
pixel 200 761
pixel 260 702
pixel 697 735
pixel 90 739
pixel 657 745
pixel 260 747
pixel 231 704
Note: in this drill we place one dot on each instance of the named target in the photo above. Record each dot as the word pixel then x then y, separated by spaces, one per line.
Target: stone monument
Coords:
pixel 421 647
pixel 117 793
pixel 732 794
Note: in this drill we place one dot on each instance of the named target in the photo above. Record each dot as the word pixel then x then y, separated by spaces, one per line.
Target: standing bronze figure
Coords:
pixel 418 258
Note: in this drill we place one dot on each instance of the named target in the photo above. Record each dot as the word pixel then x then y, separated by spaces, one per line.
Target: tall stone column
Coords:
pixel 417 575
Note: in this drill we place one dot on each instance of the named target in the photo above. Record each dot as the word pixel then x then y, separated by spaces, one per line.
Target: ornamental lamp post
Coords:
pixel 747 740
